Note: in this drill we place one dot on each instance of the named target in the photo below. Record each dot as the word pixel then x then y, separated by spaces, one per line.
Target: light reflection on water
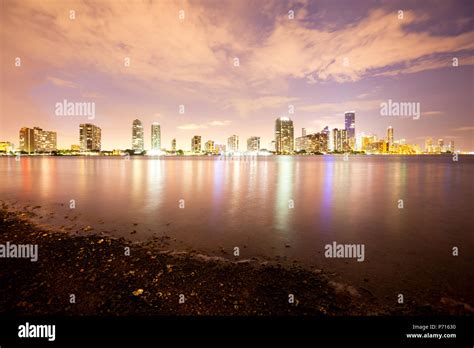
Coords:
pixel 246 202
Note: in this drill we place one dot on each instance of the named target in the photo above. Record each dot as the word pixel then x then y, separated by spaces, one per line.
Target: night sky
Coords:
pixel 282 62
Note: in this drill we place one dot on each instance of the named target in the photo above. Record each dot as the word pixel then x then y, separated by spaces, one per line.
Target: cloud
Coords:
pixel 431 113
pixel 246 106
pixel 341 107
pixel 219 123
pixel 378 44
pixel 61 83
pixel 463 129
pixel 192 126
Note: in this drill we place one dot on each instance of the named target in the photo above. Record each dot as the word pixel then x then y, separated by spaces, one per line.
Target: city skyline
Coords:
pixel 36 140
pixel 233 69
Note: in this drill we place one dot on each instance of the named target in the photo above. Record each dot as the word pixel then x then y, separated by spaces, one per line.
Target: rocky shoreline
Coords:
pixel 93 275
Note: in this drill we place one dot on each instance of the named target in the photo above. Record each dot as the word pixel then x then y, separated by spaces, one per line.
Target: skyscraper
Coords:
pixel 210 146
pixel 253 144
pixel 137 136
pixel 440 147
pixel 451 146
pixel 284 135
pixel 37 140
pixel 233 143
pixel 90 137
pixel 155 136
pixel 45 141
pixel 349 123
pixel 303 132
pixel 390 137
pixel 340 140
pixel 27 140
pixel 196 144
pixel 429 145
pixel 173 145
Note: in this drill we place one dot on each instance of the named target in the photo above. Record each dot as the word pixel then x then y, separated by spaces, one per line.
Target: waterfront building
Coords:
pixel 196 144
pixel 137 136
pixel 233 143
pixel 210 146
pixel 284 135
pixel 90 137
pixel 390 138
pixel 155 136
pixel 253 144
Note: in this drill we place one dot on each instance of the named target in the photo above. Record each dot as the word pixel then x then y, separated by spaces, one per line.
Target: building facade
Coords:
pixel 284 135
pixel 37 140
pixel 253 144
pixel 155 136
pixel 233 143
pixel 90 137
pixel 137 136
pixel 196 144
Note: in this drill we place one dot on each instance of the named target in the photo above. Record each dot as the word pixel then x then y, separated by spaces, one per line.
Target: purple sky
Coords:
pixel 282 61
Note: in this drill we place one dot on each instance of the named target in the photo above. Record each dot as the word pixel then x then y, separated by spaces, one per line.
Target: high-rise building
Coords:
pixel 37 140
pixel 90 137
pixel 253 144
pixel 6 147
pixel 326 131
pixel 440 147
pixel 196 144
pixel 233 143
pixel 45 141
pixel 173 145
pixel 219 148
pixel 451 146
pixel 303 132
pixel 390 137
pixel 312 143
pixel 349 123
pixel 155 136
pixel 429 145
pixel 284 135
pixel 209 146
pixel 137 136
pixel 340 140
pixel 27 140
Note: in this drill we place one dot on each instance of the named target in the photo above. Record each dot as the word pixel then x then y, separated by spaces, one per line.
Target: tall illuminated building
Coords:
pixel 209 146
pixel 37 140
pixel 155 136
pixel 233 143
pixel 440 147
pixel 349 125
pixel 451 146
pixel 173 145
pixel 284 135
pixel 390 137
pixel 340 140
pixel 253 144
pixel 90 137
pixel 27 140
pixel 196 144
pixel 137 136
pixel 429 145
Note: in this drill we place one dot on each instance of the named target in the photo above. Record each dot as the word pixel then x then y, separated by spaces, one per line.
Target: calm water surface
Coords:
pixel 245 203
